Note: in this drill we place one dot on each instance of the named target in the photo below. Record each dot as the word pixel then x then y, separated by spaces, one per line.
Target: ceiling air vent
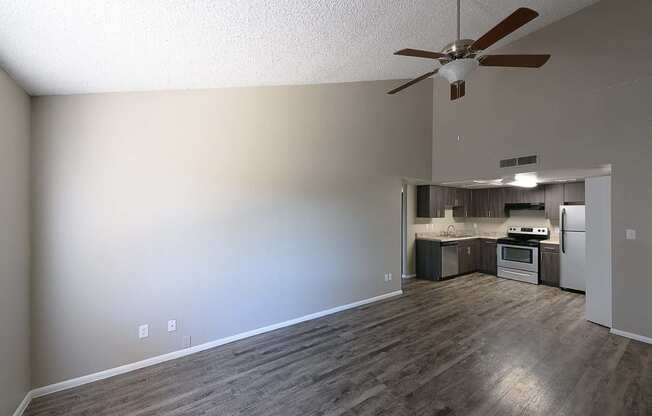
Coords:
pixel 518 161
pixel 527 160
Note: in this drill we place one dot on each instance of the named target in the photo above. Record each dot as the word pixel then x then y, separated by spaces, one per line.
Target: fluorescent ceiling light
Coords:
pixel 524 184
pixel 524 180
pixel 495 182
pixel 487 180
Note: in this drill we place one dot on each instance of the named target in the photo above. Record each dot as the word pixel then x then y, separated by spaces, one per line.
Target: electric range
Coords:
pixel 518 253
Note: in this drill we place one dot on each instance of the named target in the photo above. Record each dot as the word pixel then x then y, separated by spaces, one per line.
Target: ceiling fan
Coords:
pixel 460 58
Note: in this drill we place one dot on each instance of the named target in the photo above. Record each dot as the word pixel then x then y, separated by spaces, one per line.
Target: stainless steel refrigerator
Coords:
pixel 572 247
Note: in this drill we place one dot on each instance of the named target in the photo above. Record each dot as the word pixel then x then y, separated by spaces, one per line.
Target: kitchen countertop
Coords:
pixel 443 239
pixel 550 242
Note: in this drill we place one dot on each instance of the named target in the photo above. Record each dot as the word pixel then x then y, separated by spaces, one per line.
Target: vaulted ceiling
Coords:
pixel 84 46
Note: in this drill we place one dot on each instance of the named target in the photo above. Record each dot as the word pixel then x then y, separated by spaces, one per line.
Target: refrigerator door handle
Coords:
pixel 563 232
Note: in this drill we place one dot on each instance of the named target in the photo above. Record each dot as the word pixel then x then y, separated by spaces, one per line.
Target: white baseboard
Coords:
pixel 408 276
pixel 64 385
pixel 23 405
pixel 626 334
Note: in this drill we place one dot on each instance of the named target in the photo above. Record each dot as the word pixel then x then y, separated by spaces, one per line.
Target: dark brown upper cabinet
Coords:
pixel 524 196
pixel 428 204
pixel 554 196
pixel 536 195
pixel 432 201
pixel 513 195
pixel 463 207
pixel 574 193
pixel 457 197
pixel 488 203
pixel 479 202
pixel 497 203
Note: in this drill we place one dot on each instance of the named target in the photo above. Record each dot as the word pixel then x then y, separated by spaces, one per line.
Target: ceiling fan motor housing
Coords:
pixel 458 70
pixel 458 49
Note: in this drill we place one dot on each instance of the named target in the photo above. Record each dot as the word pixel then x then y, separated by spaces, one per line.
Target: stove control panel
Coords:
pixel 528 230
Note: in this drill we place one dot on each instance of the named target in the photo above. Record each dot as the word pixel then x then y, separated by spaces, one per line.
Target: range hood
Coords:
pixel 540 206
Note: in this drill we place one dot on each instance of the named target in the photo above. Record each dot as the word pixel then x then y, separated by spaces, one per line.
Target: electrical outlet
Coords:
pixel 186 341
pixel 143 331
pixel 389 276
pixel 172 325
pixel 630 234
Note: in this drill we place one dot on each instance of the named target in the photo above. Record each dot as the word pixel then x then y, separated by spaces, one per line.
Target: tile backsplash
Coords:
pixel 487 226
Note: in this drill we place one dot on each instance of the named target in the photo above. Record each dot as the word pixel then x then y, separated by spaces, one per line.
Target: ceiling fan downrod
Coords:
pixel 458 20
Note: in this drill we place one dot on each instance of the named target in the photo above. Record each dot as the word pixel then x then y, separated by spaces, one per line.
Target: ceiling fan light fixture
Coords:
pixel 458 70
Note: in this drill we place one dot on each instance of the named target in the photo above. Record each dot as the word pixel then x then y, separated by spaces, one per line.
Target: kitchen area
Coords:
pixel 556 234
pixel 510 232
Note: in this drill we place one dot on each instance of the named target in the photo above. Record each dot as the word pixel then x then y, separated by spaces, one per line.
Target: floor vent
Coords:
pixel 518 161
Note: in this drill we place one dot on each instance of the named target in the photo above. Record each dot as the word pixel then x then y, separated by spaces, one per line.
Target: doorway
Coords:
pixel 408 211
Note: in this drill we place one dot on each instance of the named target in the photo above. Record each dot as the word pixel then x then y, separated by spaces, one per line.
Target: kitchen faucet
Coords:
pixel 448 231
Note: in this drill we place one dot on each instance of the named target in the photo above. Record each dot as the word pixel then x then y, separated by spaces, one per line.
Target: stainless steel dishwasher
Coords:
pixel 449 259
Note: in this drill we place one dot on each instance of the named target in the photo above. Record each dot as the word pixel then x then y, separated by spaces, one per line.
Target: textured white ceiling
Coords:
pixel 83 46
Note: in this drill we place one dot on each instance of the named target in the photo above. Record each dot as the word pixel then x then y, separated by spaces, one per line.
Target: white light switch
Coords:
pixel 143 331
pixel 630 234
pixel 172 325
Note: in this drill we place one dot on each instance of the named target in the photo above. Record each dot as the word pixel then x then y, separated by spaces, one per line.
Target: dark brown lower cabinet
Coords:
pixel 428 259
pixel 549 267
pixel 487 256
pixel 467 256
pixel 473 255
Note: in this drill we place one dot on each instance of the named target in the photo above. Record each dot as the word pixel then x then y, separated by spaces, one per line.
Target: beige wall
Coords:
pixel 14 245
pixel 583 109
pixel 227 210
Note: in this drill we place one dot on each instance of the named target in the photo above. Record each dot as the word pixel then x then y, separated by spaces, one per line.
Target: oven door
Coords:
pixel 518 257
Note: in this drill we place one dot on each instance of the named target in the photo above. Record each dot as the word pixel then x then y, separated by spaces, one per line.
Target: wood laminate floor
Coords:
pixel 474 345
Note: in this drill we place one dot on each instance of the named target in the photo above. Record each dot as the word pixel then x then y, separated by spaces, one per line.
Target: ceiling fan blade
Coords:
pixel 414 81
pixel 420 54
pixel 508 25
pixel 514 61
pixel 458 90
